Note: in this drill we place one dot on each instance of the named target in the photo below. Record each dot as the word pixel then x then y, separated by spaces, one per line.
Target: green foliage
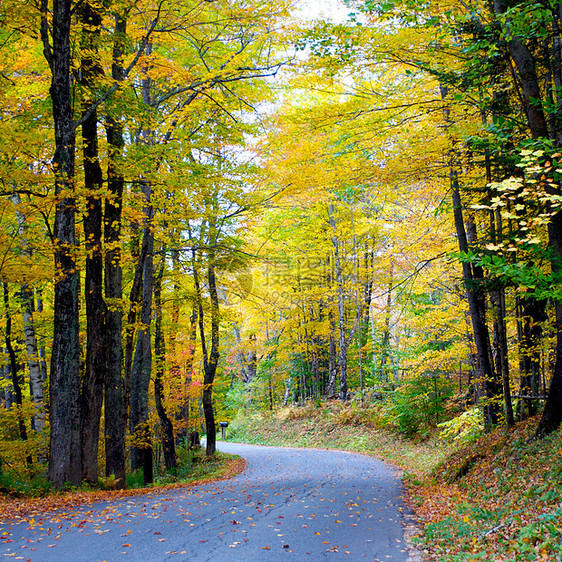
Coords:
pixel 18 485
pixel 186 457
pixel 543 535
pixel 107 482
pixel 238 397
pixel 418 405
pixel 136 479
pixel 463 429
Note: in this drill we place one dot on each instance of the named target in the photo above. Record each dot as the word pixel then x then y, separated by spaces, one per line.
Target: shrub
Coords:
pixel 22 485
pixel 418 405
pixel 464 429
pixel 135 479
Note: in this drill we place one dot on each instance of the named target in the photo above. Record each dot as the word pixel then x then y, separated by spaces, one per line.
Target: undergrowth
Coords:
pixel 478 497
pixel 499 499
pixel 338 426
pixel 20 501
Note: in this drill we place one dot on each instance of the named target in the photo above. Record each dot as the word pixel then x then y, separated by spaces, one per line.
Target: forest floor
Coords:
pixel 202 471
pixel 499 498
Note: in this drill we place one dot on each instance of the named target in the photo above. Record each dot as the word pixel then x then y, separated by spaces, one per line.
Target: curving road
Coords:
pixel 299 504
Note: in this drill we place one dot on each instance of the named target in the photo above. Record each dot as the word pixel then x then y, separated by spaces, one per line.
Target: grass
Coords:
pixel 499 498
pixel 337 426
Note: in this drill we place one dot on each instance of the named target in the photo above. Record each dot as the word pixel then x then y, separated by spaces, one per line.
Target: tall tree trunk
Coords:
pixel 525 64
pixel 212 363
pixel 36 378
pixel 472 276
pixel 41 339
pixel 552 413
pixel 485 373
pixel 141 452
pixel 64 386
pixel 135 299
pixel 332 358
pixel 364 327
pixel 186 406
pixel 385 341
pixel 497 298
pixel 182 414
pixel 532 316
pixel 343 343
pixel 168 442
pixel 16 383
pixel 115 391
pixel 93 379
pixel 315 351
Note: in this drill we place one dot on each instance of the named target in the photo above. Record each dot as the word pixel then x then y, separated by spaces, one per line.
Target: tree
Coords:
pixel 64 383
pixel 92 382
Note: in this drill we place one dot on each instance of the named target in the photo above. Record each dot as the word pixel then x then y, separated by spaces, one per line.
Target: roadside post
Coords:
pixel 223 426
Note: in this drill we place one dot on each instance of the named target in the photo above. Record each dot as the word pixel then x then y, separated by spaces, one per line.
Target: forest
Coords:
pixel 215 207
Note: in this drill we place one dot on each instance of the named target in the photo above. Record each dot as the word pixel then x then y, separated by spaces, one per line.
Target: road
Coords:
pixel 298 504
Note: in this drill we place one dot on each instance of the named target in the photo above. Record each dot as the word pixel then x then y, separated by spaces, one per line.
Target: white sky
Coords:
pixel 333 10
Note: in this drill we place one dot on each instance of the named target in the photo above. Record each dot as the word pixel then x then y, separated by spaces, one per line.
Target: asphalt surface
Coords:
pixel 298 504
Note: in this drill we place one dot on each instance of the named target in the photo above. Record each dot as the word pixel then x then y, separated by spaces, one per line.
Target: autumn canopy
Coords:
pixel 213 207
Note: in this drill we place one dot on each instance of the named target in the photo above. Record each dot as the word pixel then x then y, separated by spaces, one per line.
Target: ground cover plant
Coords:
pixel 20 503
pixel 496 497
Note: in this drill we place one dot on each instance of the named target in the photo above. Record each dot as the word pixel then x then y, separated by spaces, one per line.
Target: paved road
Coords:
pixel 297 504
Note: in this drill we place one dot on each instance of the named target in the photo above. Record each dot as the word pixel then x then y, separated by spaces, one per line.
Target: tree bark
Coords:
pixel 343 344
pixel 16 382
pixel 141 452
pixel 186 406
pixel 526 67
pixel 92 382
pixel 552 413
pixel 64 386
pixel 36 379
pixel 332 357
pixel 532 316
pixel 114 387
pixel 385 341
pixel 473 276
pixel 212 363
pixel 168 442
pixel 485 373
pixel 497 298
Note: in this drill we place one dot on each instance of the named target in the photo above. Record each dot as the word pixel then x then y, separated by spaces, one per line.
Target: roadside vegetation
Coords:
pixel 26 496
pixel 232 209
pixel 334 425
pixel 477 497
